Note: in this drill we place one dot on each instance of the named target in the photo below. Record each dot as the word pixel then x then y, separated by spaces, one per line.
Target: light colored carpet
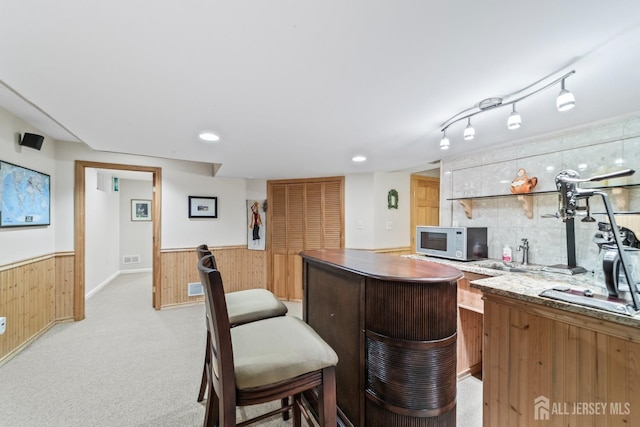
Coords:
pixel 127 364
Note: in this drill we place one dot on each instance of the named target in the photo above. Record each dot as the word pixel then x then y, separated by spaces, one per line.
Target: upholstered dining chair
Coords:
pixel 263 361
pixel 243 307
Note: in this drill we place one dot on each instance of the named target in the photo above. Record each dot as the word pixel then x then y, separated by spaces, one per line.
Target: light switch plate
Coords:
pixel 3 325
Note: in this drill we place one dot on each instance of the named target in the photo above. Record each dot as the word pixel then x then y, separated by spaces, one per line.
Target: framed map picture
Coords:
pixel 25 197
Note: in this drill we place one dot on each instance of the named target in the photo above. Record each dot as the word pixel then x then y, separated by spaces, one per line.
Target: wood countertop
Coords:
pixel 384 267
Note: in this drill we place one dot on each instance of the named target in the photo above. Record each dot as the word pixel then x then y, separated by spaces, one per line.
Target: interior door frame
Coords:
pixel 80 230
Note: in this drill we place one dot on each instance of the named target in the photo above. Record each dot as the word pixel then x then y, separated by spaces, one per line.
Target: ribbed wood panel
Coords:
pixel 410 311
pixel 295 217
pixel 278 217
pixel 313 235
pixel 395 375
pixel 33 295
pixel 333 215
pixel 379 417
pixel 240 268
pixel 533 351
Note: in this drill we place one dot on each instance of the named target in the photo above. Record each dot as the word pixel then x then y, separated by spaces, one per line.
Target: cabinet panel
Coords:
pixel 567 367
pixel 470 326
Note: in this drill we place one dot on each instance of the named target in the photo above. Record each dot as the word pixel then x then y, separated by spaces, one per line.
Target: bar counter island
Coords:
pixel 392 321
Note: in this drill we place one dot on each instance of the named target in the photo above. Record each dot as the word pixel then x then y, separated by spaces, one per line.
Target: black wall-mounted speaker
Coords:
pixel 32 140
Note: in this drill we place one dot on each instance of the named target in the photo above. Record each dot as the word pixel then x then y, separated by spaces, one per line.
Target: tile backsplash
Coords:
pixel 594 150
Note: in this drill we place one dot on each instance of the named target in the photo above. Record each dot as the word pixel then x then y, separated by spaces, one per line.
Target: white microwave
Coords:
pixel 458 243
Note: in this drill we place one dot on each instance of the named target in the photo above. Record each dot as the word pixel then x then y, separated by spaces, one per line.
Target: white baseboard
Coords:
pixel 138 270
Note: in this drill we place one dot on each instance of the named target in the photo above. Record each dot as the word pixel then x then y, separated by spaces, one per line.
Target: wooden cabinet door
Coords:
pixel 303 214
pixel 425 203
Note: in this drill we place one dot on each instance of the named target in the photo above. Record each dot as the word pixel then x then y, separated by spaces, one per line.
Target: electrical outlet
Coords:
pixel 3 325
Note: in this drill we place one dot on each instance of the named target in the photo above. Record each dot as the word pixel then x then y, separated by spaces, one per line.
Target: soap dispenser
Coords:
pixel 506 253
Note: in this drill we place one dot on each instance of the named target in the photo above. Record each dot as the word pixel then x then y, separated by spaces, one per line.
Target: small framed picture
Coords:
pixel 140 210
pixel 203 207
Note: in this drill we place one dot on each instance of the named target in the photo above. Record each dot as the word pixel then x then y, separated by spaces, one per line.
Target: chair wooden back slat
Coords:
pixel 222 351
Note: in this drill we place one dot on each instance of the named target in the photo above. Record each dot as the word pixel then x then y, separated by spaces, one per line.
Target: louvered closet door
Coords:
pixel 303 215
pixel 277 238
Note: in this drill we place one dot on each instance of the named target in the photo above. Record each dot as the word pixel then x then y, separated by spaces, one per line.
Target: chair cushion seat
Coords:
pixel 277 349
pixel 253 304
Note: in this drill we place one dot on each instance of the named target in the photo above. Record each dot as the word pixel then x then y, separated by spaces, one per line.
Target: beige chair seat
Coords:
pixel 253 304
pixel 277 349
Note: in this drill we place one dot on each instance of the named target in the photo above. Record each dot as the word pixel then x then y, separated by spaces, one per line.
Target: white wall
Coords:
pixel 359 211
pixel 392 225
pixel 22 243
pixel 592 150
pixel 256 189
pixel 136 237
pixel 180 231
pixel 180 179
pixel 102 224
pixel 367 213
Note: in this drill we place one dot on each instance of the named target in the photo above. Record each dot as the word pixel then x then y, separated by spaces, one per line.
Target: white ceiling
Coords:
pixel 295 88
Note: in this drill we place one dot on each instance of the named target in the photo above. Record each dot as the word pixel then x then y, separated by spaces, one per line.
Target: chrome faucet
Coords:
pixel 524 247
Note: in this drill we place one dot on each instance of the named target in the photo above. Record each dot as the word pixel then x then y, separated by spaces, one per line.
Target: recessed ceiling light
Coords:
pixel 358 159
pixel 208 136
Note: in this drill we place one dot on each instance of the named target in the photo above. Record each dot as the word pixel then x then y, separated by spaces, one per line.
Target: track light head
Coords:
pixel 444 142
pixel 566 101
pixel 514 121
pixel 469 131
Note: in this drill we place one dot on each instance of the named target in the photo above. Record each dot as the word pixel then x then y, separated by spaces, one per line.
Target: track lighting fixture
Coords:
pixel 444 142
pixel 565 101
pixel 514 120
pixel 469 131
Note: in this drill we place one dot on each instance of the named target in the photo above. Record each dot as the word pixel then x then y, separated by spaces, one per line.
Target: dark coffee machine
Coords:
pixel 609 258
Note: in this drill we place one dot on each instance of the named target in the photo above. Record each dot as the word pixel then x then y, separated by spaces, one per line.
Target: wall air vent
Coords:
pixel 194 289
pixel 131 259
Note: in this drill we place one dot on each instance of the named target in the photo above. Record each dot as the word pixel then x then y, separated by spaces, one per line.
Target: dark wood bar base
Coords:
pixel 392 322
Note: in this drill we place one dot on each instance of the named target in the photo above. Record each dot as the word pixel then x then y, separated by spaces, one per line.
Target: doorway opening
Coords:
pixel 80 229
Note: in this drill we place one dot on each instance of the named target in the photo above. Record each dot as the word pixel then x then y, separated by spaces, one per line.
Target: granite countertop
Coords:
pixel 526 286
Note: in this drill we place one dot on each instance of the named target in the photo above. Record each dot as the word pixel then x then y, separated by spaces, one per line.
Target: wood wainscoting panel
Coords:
pixel 240 268
pixel 64 285
pixel 34 294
